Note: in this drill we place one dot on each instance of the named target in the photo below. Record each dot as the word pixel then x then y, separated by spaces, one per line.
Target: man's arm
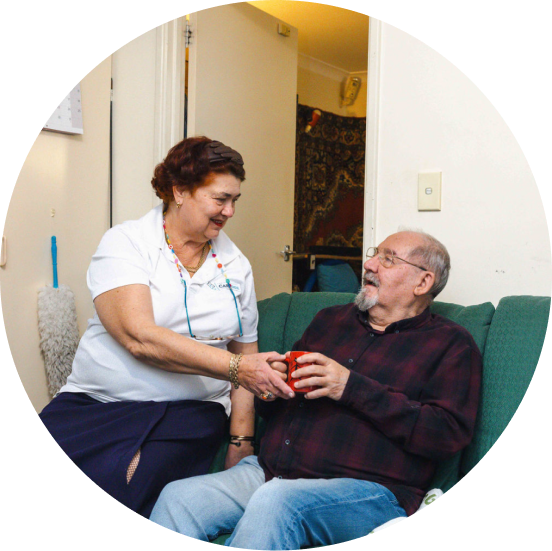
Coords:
pixel 436 426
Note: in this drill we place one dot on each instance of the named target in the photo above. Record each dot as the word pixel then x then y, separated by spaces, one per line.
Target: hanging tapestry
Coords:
pixel 329 180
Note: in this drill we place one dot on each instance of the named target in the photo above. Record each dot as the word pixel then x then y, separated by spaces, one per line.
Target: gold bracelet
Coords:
pixel 233 369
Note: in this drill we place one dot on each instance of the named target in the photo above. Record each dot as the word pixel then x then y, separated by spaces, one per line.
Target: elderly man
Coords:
pixel 398 391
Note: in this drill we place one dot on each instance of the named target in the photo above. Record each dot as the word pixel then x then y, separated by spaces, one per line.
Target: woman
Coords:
pixel 149 396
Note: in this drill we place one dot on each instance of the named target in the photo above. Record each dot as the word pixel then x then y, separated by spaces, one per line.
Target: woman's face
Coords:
pixel 205 211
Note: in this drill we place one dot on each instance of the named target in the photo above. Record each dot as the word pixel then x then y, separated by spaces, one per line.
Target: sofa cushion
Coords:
pixel 476 319
pixel 303 308
pixel 283 318
pixel 272 320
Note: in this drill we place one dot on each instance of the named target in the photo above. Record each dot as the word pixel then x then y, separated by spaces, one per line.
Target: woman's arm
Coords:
pixel 242 419
pixel 127 315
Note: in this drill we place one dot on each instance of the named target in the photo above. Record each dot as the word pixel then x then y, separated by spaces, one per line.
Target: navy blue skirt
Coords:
pixel 175 440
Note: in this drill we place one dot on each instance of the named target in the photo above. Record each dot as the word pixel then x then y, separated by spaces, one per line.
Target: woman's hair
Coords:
pixel 189 163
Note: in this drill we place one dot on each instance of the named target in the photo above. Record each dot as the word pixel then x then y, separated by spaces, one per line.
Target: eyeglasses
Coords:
pixel 387 258
pixel 211 337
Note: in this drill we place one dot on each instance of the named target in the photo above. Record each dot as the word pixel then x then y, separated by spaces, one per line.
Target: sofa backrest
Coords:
pixel 477 320
pixel 511 355
pixel 283 318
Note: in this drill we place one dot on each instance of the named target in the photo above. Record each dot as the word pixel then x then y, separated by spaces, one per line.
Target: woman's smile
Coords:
pixel 218 222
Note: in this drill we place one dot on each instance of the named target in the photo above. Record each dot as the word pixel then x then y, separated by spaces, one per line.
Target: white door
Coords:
pixel 242 91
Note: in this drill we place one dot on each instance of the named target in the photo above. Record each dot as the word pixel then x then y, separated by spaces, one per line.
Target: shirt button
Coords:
pixel 280 477
pixel 397 331
pixel 287 442
pixel 301 404
pixel 371 334
pixel 351 360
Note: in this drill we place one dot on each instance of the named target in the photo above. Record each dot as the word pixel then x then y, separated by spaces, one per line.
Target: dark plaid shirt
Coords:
pixel 410 401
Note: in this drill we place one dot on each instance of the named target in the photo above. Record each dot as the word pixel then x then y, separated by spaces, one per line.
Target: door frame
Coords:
pixel 372 132
pixel 169 107
pixel 170 70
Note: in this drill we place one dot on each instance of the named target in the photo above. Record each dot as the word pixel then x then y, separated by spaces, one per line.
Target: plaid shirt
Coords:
pixel 410 401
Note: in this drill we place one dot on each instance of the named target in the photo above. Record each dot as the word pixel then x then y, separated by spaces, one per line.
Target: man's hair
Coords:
pixel 434 256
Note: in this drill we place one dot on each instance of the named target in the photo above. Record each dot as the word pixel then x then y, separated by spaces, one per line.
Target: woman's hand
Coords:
pixel 326 373
pixel 262 373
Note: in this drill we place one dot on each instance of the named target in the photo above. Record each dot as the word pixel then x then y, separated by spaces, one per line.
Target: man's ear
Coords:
pixel 425 284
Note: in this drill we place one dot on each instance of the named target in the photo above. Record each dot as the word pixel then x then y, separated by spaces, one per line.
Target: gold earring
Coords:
pixel 178 205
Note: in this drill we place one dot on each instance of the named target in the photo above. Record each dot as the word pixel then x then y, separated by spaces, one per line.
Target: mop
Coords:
pixel 57 327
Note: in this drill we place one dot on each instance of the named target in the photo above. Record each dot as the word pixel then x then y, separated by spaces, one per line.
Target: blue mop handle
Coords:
pixel 54 260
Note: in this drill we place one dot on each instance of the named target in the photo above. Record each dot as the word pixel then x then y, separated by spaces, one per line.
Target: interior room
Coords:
pixel 422 115
pixel 351 129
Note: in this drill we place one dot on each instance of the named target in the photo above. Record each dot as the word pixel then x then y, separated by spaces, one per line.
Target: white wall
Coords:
pixel 492 219
pixel 133 72
pixel 69 174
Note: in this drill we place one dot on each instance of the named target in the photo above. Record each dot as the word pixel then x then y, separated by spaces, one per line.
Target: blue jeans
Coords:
pixel 280 514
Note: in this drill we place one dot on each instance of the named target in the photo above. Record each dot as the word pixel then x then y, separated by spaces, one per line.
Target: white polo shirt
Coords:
pixel 136 252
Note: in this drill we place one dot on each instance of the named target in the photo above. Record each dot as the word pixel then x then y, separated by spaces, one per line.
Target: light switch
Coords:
pixel 429 190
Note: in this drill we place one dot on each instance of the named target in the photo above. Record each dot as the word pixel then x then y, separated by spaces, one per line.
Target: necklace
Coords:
pixel 193 270
pixel 222 271
pixel 190 269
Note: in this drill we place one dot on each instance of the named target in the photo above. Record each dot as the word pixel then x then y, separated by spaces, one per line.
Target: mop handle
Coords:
pixel 54 260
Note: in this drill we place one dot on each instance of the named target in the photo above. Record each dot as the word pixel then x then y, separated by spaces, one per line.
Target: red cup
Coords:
pixel 293 366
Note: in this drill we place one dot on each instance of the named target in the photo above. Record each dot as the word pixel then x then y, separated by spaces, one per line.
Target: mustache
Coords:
pixel 370 277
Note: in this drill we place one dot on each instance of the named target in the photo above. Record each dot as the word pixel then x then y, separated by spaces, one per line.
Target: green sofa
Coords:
pixel 510 338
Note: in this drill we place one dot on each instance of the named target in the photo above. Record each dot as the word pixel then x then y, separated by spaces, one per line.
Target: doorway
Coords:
pixel 330 143
pixel 329 201
pixel 328 193
pixel 320 87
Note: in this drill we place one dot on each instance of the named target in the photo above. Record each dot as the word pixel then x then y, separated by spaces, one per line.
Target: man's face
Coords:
pixel 393 287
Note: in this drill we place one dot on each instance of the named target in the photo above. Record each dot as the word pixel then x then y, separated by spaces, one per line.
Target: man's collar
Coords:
pixel 398 326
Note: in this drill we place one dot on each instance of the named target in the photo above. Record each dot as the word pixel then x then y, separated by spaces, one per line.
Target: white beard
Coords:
pixel 364 303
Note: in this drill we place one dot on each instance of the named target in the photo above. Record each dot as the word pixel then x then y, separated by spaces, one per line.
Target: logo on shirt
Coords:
pixel 220 286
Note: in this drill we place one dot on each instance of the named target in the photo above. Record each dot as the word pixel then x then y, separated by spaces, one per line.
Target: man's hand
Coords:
pixel 325 373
